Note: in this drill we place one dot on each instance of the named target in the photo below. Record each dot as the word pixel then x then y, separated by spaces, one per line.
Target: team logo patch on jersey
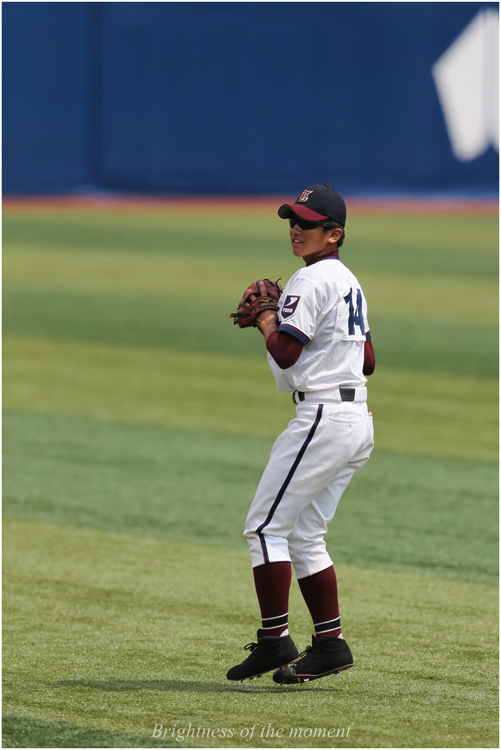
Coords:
pixel 289 306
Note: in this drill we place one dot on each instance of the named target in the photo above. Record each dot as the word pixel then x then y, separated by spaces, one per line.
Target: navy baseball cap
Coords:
pixel 316 203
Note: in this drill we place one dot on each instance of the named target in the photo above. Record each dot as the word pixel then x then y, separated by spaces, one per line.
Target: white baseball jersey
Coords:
pixel 314 459
pixel 324 307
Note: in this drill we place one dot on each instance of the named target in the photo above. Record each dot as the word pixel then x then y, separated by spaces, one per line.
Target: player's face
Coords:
pixel 311 241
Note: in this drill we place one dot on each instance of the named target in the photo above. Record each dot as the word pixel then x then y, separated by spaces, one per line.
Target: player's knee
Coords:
pixel 308 556
pixel 253 540
pixel 267 548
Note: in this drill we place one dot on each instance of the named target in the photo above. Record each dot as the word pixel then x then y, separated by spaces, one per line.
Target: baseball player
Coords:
pixel 319 347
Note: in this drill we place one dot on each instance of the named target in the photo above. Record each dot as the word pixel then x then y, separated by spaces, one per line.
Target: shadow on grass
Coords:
pixel 24 731
pixel 188 686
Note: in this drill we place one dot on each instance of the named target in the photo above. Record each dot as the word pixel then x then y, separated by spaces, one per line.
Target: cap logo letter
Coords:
pixel 304 195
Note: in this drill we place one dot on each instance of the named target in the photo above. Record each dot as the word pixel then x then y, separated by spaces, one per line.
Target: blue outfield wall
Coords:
pixel 242 98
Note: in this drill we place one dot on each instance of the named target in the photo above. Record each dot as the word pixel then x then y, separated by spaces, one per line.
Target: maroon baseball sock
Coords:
pixel 272 581
pixel 320 594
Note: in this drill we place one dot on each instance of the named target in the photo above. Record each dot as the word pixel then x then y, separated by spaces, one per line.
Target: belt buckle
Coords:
pixel 347 394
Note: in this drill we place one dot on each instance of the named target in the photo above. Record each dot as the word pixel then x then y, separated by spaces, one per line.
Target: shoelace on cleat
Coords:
pixel 251 646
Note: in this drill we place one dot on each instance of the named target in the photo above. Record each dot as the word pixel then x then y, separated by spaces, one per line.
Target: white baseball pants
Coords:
pixel 310 466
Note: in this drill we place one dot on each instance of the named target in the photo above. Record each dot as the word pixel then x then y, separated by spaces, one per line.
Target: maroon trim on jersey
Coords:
pixel 334 256
pixel 283 488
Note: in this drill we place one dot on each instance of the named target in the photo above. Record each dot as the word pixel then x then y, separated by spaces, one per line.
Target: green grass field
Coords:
pixel 137 421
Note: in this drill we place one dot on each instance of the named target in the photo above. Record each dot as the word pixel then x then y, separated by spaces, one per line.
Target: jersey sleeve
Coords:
pixel 299 308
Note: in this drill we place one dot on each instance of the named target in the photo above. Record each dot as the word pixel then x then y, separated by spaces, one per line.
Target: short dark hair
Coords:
pixel 331 224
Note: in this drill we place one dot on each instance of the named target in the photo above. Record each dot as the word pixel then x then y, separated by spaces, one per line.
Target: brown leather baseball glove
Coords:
pixel 259 296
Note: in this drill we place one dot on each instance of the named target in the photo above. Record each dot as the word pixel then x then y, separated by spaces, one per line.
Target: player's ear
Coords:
pixel 335 235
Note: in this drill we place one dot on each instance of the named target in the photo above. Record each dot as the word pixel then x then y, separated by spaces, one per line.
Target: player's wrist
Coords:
pixel 267 322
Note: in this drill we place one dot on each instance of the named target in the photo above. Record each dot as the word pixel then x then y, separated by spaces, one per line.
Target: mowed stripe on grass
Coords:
pixel 196 325
pixel 403 512
pixel 121 633
pixel 438 244
pixel 423 295
pixel 413 412
pixel 21 731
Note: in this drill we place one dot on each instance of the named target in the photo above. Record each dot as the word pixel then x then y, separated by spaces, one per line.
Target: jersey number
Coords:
pixel 355 318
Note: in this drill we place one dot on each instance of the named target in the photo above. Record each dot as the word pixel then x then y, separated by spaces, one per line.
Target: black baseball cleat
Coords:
pixel 325 656
pixel 267 654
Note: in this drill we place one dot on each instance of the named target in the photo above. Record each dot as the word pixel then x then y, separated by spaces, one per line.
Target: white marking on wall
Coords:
pixel 467 81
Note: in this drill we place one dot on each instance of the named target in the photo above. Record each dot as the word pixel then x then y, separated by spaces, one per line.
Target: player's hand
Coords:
pixel 261 296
